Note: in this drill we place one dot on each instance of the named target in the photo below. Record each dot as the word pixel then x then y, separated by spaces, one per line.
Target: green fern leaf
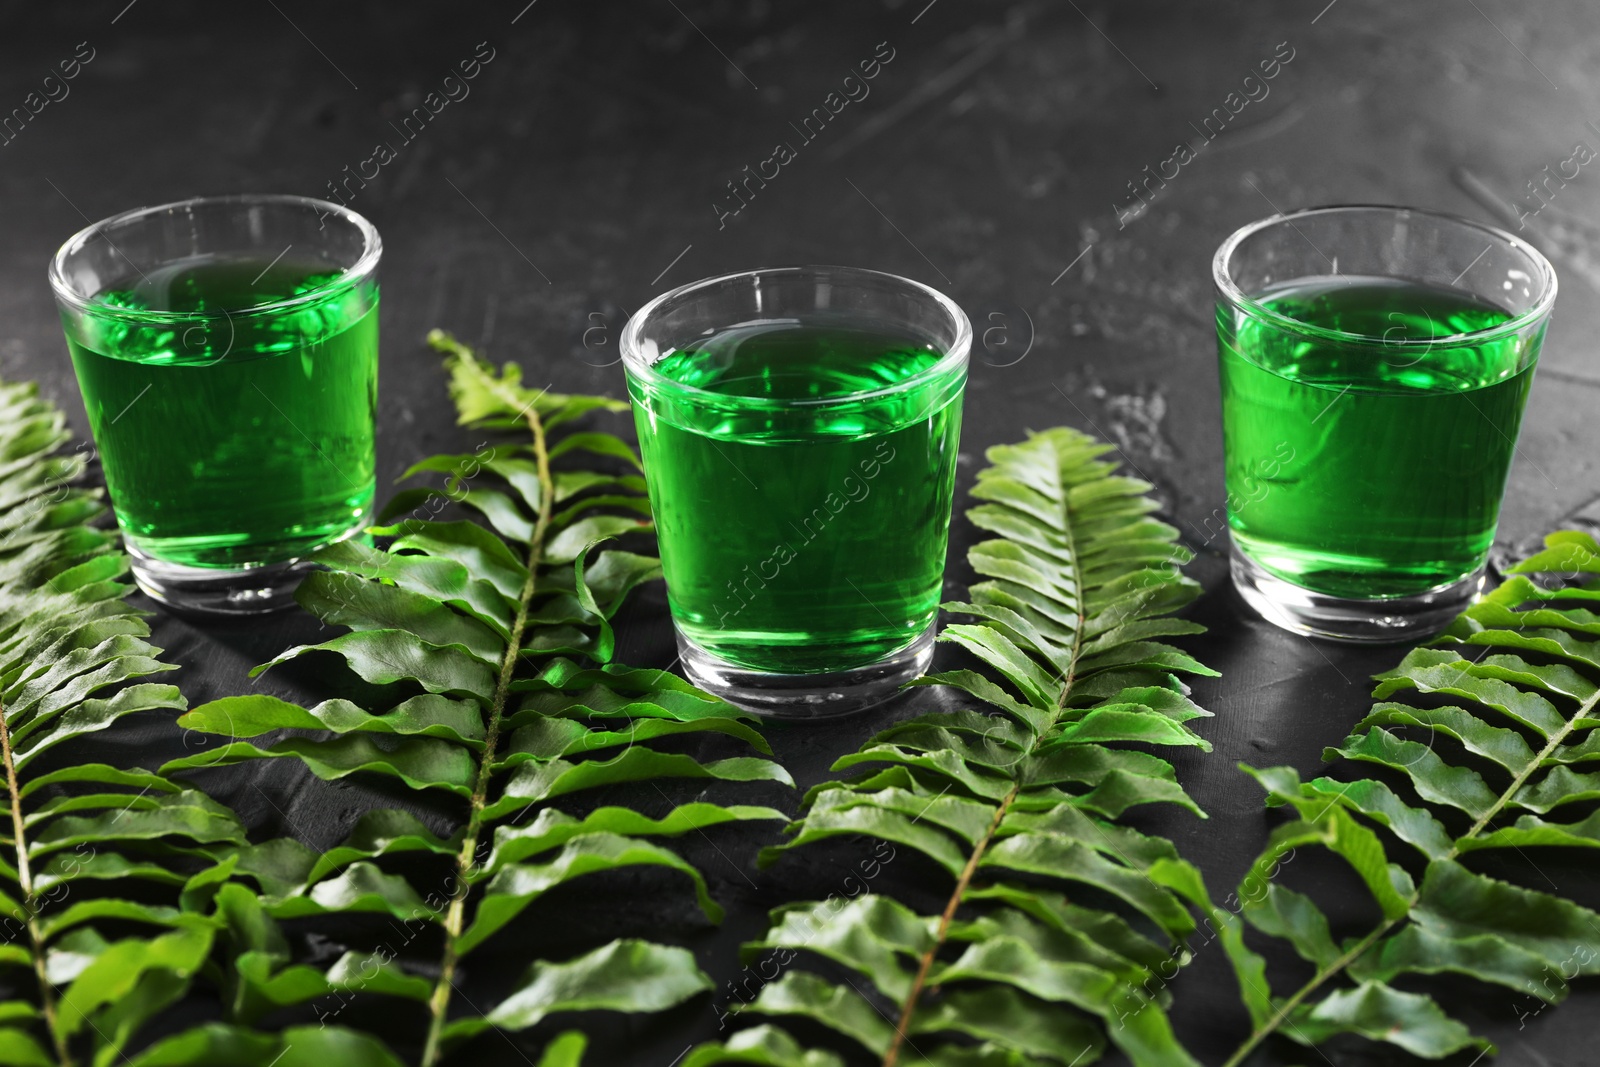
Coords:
pixel 495 640
pixel 1475 738
pixel 92 966
pixel 299 1046
pixel 1018 790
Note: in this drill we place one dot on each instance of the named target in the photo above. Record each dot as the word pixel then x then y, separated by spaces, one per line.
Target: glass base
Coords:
pixel 806 697
pixel 220 591
pixel 1373 622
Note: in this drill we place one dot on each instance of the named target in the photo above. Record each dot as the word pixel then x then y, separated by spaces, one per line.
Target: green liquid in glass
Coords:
pixel 1370 469
pixel 243 438
pixel 803 510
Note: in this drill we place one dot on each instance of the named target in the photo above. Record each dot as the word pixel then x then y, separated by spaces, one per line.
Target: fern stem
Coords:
pixel 1276 1021
pixel 47 996
pixel 1067 678
pixel 1273 1024
pixel 1555 742
pixel 466 858
pixel 908 1009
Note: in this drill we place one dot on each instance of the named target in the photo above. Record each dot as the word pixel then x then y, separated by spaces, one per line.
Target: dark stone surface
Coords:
pixel 992 159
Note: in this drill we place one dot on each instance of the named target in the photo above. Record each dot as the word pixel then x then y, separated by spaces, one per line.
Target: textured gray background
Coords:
pixel 990 160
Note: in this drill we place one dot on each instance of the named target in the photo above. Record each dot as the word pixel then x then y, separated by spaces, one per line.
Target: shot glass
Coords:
pixel 1375 364
pixel 799 428
pixel 227 352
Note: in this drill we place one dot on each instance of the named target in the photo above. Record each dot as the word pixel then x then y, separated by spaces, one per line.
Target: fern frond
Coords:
pixel 1478 743
pixel 100 936
pixel 1016 798
pixel 498 637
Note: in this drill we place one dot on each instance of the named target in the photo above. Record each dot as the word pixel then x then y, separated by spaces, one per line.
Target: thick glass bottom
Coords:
pixel 1363 621
pixel 219 591
pixel 807 697
pixel 254 589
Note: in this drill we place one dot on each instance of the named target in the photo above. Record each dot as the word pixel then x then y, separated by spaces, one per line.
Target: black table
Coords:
pixel 995 157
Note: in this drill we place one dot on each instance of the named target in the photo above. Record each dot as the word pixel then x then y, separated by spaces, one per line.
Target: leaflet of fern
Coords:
pixel 500 633
pixel 103 931
pixel 1477 745
pixel 1053 937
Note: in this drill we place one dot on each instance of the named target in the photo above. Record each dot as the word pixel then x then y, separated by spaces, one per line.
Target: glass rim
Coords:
pixel 1229 289
pixel 364 267
pixel 636 366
